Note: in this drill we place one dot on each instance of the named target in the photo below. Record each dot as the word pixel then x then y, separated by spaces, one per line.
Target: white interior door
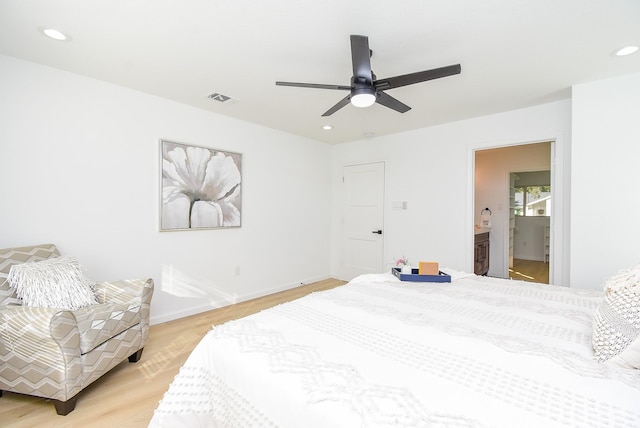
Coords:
pixel 363 240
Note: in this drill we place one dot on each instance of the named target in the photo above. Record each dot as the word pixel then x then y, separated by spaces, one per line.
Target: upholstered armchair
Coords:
pixel 56 353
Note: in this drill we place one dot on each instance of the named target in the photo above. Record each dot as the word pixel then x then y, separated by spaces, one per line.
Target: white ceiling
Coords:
pixel 513 53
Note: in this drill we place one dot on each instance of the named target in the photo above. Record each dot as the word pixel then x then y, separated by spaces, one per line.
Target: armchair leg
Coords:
pixel 134 358
pixel 63 408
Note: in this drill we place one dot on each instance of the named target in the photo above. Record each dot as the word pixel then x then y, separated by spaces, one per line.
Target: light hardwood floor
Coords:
pixel 128 394
pixel 530 270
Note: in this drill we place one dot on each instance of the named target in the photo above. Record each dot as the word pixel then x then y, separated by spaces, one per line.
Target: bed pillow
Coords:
pixel 616 325
pixel 52 283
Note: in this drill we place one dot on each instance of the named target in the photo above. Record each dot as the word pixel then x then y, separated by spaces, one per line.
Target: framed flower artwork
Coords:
pixel 200 188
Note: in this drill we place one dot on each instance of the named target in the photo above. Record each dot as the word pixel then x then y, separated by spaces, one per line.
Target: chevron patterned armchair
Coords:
pixel 56 353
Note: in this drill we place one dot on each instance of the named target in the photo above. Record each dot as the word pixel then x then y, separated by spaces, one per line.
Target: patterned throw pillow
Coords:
pixel 52 283
pixel 616 325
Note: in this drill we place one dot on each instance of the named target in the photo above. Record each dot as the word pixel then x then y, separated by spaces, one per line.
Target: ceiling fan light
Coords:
pixel 363 98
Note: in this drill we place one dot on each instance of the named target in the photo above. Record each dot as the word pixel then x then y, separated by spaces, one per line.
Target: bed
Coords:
pixel 380 352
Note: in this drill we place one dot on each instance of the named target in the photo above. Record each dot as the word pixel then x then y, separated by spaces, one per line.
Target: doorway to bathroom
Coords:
pixel 514 183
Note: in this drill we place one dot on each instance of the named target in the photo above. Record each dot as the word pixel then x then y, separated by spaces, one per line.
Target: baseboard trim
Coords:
pixel 162 318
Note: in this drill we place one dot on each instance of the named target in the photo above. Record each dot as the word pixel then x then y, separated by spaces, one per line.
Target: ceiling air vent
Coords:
pixel 220 98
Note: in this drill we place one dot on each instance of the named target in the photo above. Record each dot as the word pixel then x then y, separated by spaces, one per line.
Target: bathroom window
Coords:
pixel 532 201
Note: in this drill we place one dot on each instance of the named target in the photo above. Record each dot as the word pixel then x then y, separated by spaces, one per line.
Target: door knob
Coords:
pixel 379 232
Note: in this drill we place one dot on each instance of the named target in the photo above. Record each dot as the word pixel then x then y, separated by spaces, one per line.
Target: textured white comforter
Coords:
pixel 378 352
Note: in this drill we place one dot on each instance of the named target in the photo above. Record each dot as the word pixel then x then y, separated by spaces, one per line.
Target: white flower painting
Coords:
pixel 201 188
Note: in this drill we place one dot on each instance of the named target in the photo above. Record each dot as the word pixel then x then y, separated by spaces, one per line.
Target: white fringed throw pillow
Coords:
pixel 616 324
pixel 58 282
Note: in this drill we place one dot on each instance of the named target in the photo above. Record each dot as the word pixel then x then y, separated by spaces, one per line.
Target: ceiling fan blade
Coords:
pixel 314 85
pixel 388 101
pixel 361 58
pixel 343 102
pixel 420 76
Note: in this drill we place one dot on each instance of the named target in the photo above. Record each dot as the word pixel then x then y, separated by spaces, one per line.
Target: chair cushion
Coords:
pixel 99 323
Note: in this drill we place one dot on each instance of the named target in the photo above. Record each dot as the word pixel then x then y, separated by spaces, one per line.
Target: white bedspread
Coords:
pixel 378 352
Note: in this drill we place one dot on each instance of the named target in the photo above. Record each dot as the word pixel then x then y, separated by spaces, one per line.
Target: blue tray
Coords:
pixel 415 277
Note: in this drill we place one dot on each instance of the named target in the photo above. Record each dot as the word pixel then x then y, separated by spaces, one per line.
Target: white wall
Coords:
pixel 530 238
pixel 79 167
pixel 432 169
pixel 493 168
pixel 605 226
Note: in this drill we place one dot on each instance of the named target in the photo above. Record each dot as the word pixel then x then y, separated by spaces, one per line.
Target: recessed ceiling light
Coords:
pixel 327 127
pixel 627 50
pixel 55 34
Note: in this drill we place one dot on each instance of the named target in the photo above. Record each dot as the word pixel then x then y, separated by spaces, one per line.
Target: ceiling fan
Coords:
pixel 366 89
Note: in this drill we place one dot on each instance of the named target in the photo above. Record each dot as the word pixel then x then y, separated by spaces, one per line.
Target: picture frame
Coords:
pixel 200 187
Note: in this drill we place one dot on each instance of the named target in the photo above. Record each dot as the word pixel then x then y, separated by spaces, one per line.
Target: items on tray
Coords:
pixel 428 268
pixel 426 272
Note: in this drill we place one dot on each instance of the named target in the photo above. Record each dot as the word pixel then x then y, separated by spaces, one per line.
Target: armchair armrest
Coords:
pixel 124 291
pixel 46 343
pixel 129 291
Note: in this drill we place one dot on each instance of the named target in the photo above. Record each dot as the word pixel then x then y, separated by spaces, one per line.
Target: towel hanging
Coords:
pixel 485 218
